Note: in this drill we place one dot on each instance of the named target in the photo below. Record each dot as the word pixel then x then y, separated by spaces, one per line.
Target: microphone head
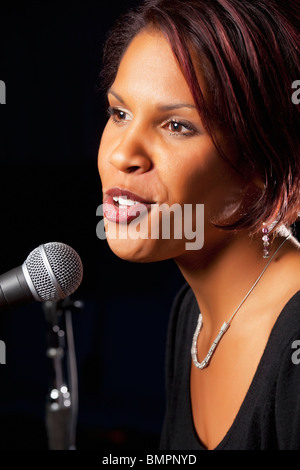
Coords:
pixel 53 271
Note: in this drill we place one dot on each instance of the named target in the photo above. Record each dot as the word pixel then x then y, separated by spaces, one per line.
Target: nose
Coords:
pixel 130 155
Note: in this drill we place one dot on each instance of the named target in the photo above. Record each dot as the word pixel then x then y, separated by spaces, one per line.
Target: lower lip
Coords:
pixel 123 214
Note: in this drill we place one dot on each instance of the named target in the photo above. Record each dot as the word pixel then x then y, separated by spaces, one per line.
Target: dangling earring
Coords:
pixel 266 241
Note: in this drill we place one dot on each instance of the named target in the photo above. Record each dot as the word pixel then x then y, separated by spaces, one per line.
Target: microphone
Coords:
pixel 52 271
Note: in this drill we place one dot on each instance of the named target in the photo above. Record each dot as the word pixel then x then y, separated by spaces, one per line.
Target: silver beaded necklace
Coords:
pixel 225 326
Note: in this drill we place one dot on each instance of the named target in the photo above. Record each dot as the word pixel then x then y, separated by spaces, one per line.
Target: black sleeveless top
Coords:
pixel 269 417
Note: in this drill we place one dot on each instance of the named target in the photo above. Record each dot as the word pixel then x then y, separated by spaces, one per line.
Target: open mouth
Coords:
pixel 122 206
pixel 120 201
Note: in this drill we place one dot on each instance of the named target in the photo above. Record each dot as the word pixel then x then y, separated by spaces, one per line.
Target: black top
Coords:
pixel 269 417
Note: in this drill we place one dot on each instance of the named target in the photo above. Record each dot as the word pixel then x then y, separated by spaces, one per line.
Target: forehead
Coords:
pixel 149 69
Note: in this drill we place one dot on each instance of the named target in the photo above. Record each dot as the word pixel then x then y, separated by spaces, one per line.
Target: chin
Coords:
pixel 127 250
pixel 142 251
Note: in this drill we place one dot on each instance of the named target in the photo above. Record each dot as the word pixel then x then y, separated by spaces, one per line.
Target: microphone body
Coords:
pixel 14 289
pixel 52 271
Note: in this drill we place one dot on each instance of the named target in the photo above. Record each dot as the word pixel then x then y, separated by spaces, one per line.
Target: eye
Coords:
pixel 180 128
pixel 118 115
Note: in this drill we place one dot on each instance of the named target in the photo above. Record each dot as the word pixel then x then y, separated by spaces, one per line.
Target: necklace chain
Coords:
pixel 225 326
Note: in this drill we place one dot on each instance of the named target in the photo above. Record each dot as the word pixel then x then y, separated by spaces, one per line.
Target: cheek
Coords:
pixel 203 177
pixel 103 152
pixel 193 174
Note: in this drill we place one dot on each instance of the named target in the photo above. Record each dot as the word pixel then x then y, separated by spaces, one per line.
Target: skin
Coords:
pixel 164 162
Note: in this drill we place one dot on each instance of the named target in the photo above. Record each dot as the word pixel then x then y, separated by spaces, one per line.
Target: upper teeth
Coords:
pixel 124 201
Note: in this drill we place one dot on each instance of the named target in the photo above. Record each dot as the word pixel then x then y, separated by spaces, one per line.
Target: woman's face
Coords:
pixel 155 151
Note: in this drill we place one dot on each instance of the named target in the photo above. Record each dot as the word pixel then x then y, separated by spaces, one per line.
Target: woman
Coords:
pixel 200 113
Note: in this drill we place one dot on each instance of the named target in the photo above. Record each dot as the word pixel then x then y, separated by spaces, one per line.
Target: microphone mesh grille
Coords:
pixel 65 264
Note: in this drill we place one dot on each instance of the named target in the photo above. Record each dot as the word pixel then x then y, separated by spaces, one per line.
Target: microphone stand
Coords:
pixel 62 401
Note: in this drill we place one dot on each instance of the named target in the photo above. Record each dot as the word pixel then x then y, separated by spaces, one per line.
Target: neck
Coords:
pixel 221 279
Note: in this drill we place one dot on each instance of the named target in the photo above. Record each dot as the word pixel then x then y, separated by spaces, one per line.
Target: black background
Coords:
pixel 50 128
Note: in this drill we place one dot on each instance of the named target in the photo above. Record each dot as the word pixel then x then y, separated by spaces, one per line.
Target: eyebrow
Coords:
pixel 162 107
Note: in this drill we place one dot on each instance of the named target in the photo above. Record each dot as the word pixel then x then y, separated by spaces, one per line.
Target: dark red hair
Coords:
pixel 249 52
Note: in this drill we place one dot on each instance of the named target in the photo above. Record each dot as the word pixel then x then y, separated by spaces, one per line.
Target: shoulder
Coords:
pixel 288 323
pixel 287 405
pixel 283 348
pixel 287 326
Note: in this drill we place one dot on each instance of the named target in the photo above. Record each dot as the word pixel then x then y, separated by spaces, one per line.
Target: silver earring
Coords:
pixel 266 241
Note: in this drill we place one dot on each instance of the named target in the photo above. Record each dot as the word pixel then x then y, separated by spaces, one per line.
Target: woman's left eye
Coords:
pixel 180 128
